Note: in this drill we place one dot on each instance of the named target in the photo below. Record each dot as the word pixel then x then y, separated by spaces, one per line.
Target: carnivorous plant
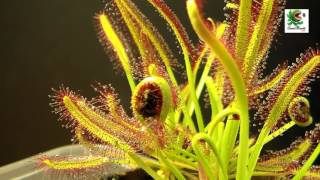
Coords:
pixel 166 133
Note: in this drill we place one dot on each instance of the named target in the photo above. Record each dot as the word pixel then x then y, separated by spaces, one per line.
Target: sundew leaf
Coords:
pixel 160 135
pixel 291 86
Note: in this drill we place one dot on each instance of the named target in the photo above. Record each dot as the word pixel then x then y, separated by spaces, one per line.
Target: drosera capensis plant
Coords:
pixel 166 134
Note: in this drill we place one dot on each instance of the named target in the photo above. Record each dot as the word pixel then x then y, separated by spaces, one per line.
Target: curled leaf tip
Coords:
pixel 152 99
pixel 299 111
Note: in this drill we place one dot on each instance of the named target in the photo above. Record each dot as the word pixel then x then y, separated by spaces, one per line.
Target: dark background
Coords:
pixel 46 43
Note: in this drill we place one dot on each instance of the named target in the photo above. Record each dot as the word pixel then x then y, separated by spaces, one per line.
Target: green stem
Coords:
pixel 219 32
pixel 188 120
pixel 145 167
pixel 203 159
pixel 256 149
pixel 235 76
pixel 186 53
pixel 308 163
pixel 199 60
pixel 264 174
pixel 215 99
pixel 220 129
pixel 200 86
pixel 190 176
pixel 220 117
pixel 155 163
pixel 185 153
pixel 183 160
pixel 193 94
pixel 279 132
pixel 229 140
pixel 171 167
